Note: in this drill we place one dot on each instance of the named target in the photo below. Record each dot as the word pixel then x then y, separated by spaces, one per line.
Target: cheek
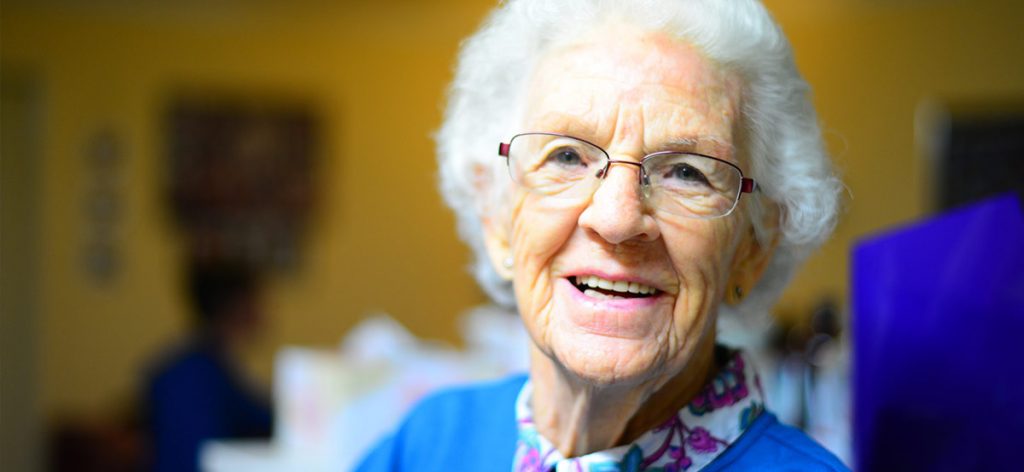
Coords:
pixel 697 244
pixel 540 228
pixel 701 252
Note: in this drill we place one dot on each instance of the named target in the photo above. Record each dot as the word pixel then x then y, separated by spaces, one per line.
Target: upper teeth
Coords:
pixel 594 281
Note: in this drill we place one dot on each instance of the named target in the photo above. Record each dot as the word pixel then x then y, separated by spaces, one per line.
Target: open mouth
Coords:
pixel 596 287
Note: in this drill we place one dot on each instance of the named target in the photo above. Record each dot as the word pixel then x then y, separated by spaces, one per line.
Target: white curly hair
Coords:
pixel 781 138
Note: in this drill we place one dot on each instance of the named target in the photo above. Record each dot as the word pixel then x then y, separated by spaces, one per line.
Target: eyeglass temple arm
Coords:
pixel 503 149
pixel 747 185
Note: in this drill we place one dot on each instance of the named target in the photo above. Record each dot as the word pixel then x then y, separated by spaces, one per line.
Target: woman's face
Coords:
pixel 632 93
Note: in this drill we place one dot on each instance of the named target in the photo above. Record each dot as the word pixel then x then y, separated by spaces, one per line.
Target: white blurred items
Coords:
pixel 829 399
pixel 805 373
pixel 332 406
pixel 250 456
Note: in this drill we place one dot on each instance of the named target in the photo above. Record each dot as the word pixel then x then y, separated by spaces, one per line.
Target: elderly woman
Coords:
pixel 658 166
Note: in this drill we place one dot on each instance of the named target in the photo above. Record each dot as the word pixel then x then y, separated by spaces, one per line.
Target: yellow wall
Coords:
pixel 383 240
pixel 871 64
pixel 375 72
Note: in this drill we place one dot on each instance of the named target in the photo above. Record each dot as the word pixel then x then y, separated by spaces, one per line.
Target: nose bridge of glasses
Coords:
pixel 642 189
pixel 603 172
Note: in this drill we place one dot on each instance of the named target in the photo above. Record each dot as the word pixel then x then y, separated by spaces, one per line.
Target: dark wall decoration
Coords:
pixel 983 156
pixel 102 201
pixel 241 183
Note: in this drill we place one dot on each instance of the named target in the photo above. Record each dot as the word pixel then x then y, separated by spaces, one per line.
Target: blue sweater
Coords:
pixel 474 428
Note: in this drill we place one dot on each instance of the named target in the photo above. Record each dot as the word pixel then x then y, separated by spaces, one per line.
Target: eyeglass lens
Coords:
pixel 679 183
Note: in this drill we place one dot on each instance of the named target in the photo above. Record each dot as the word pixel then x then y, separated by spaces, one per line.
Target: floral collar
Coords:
pixel 689 440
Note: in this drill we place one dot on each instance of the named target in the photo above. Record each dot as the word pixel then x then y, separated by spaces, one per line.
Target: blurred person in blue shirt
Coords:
pixel 196 392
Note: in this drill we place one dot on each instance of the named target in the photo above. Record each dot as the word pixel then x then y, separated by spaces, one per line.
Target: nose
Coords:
pixel 616 211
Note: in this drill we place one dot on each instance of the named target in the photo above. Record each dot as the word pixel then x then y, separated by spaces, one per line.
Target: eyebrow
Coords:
pixel 680 142
pixel 567 124
pixel 703 144
pixel 572 125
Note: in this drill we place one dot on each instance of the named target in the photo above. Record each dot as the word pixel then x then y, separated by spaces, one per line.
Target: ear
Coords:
pixel 498 249
pixel 749 263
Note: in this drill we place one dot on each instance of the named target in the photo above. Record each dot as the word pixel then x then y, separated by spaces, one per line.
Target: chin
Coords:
pixel 602 361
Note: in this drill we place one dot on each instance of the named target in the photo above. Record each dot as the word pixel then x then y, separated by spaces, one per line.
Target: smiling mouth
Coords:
pixel 604 289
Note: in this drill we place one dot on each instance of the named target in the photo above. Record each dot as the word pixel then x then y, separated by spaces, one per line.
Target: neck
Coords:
pixel 581 417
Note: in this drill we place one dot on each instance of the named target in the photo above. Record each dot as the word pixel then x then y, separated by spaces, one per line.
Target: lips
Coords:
pixel 611 313
pixel 601 288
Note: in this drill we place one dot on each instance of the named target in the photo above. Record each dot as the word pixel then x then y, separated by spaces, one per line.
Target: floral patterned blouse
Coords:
pixel 689 440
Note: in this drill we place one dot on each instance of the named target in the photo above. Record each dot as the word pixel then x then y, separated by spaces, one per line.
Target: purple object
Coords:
pixel 939 342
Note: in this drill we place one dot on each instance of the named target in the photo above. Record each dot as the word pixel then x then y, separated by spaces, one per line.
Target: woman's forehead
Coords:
pixel 641 85
pixel 636 57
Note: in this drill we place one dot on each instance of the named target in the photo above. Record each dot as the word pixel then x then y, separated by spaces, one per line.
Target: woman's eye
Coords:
pixel 686 173
pixel 566 157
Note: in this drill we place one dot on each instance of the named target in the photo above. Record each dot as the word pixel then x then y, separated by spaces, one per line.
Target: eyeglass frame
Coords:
pixel 747 185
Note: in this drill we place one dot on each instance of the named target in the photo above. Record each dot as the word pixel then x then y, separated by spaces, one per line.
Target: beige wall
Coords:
pixel 375 72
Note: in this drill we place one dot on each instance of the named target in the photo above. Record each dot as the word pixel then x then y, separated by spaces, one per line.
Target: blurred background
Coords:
pixel 143 139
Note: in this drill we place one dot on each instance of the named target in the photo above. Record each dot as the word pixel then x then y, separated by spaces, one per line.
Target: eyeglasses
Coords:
pixel 681 183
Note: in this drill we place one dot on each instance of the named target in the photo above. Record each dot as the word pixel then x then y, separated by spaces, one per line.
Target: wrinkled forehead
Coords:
pixel 619 79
